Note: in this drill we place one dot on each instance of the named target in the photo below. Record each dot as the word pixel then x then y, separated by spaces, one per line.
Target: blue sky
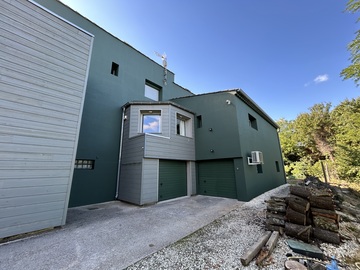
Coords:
pixel 285 54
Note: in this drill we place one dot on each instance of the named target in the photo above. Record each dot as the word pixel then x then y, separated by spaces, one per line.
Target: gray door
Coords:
pixel 172 179
pixel 217 178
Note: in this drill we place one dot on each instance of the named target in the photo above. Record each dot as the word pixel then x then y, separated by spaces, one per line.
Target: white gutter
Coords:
pixel 120 150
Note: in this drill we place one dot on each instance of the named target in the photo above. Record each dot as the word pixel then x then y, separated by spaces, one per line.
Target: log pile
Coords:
pixel 307 212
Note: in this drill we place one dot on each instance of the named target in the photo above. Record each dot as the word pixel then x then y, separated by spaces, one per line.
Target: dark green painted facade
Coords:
pixel 225 132
pixel 105 95
pixel 172 179
pixel 217 178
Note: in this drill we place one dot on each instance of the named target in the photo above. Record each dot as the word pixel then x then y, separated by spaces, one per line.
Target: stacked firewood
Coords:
pixel 308 212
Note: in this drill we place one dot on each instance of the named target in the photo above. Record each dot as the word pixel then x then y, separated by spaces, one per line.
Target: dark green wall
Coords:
pixel 266 140
pixel 105 95
pixel 219 116
pixel 233 137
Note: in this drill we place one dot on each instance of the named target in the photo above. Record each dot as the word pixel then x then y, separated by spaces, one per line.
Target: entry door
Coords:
pixel 172 179
pixel 217 178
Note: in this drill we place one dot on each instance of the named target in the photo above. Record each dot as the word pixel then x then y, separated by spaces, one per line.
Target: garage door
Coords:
pixel 217 178
pixel 172 179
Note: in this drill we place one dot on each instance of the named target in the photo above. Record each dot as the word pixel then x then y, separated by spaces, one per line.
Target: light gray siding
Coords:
pixel 191 177
pixel 43 66
pixel 130 184
pixel 170 145
pixel 150 179
pixel 141 152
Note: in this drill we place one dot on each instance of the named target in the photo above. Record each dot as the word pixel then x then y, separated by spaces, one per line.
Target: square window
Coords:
pixel 252 122
pixel 151 121
pixel 152 91
pixel 114 69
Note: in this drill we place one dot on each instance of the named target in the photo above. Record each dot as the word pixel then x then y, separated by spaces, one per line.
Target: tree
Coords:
pixel 307 140
pixel 353 71
pixel 346 119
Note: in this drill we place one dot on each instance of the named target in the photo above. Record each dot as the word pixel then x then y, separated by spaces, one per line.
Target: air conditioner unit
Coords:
pixel 256 158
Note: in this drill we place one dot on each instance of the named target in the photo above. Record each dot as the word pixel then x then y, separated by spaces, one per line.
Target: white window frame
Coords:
pixel 185 128
pixel 143 114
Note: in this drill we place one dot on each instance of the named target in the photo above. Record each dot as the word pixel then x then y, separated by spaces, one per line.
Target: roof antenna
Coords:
pixel 164 63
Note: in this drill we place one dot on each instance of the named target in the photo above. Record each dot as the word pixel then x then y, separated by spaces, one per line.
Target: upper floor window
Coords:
pixel 114 69
pixel 183 125
pixel 152 91
pixel 151 121
pixel 252 122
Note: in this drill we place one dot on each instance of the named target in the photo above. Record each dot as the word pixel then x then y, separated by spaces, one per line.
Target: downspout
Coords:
pixel 120 152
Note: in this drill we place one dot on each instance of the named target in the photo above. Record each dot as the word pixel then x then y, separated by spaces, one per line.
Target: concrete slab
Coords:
pixel 113 235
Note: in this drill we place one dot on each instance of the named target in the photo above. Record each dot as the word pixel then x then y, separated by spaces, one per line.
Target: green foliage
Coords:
pixel 346 118
pixel 353 71
pixel 323 136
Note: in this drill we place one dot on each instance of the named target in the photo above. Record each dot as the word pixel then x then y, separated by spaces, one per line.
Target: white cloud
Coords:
pixel 321 78
pixel 151 127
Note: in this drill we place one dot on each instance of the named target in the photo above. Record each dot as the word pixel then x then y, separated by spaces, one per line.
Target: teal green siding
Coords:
pixel 218 137
pixel 105 95
pixel 226 133
pixel 172 179
pixel 265 139
pixel 217 178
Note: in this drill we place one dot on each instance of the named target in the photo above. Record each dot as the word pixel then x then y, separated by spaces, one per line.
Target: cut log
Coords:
pixel 254 249
pixel 273 215
pixel 278 199
pixel 268 248
pixel 298 231
pixel 326 236
pixel 294 265
pixel 274 206
pixel 298 200
pixel 295 217
pixel 325 213
pixel 326 223
pixel 298 207
pixel 300 191
pixel 275 219
pixel 276 228
pixel 323 202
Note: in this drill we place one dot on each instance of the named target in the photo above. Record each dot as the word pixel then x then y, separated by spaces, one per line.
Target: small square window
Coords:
pixel 252 122
pixel 152 91
pixel 151 121
pixel 114 69
pixel 84 164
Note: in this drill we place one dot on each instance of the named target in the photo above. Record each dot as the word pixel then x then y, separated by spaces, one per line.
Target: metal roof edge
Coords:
pixel 150 103
pixel 248 101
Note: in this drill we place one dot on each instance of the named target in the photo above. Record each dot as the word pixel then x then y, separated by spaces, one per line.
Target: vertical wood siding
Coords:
pixel 43 70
